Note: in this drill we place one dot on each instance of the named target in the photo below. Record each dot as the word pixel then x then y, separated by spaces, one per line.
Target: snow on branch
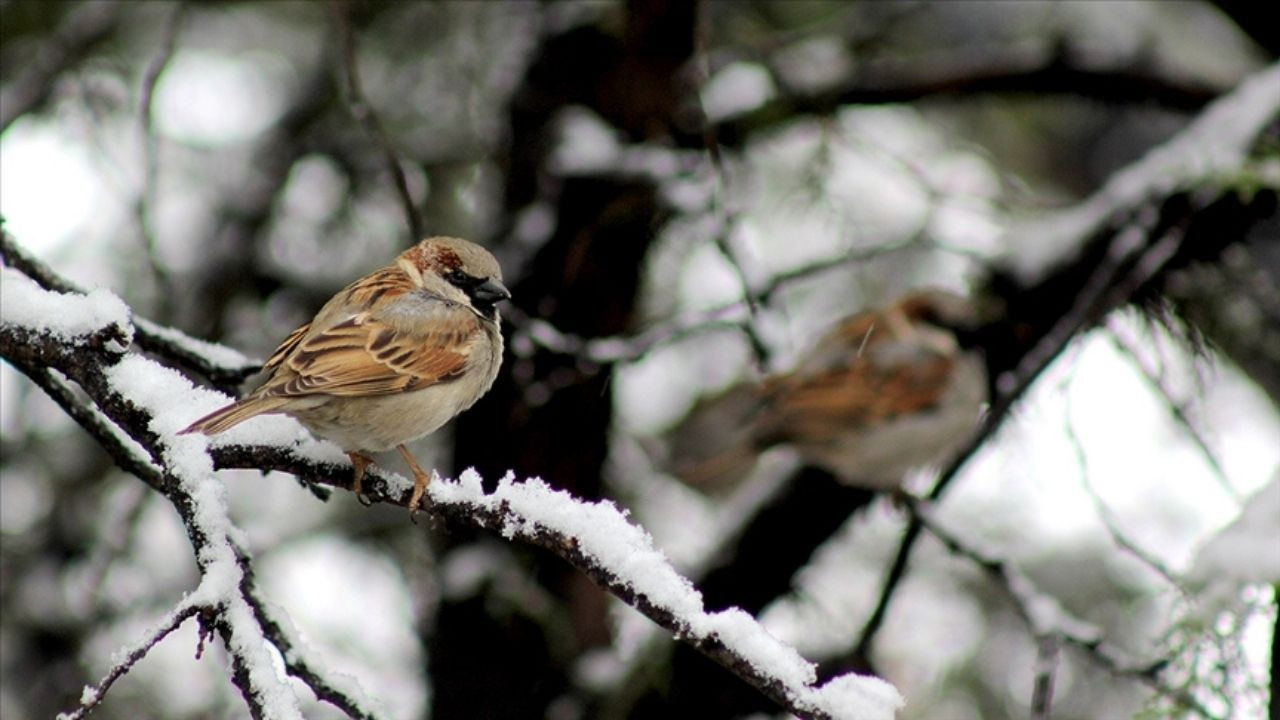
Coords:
pixel 222 366
pixel 141 402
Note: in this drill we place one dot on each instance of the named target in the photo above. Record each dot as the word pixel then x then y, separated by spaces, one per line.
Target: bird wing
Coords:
pixel 418 341
pixel 862 393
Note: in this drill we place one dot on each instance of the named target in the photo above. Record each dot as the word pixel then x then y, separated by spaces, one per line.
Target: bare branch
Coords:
pixel 1042 690
pixel 145 199
pixel 1045 70
pixel 725 216
pixel 368 119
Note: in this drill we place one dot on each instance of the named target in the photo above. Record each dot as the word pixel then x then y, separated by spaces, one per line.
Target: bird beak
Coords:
pixel 491 291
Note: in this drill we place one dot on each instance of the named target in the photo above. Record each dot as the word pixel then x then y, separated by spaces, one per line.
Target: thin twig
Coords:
pixel 1025 599
pixel 625 349
pixel 92 696
pixel 1108 518
pixel 368 119
pixel 726 218
pixel 145 199
pixel 1177 410
pixel 1042 688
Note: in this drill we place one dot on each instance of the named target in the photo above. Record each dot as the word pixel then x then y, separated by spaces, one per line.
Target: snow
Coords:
pixel 164 393
pixel 66 316
pixel 1211 145
pixel 602 531
pixel 741 633
pixel 266 677
pixel 857 697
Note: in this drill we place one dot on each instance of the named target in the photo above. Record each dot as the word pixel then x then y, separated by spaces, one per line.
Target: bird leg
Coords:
pixel 359 462
pixel 420 479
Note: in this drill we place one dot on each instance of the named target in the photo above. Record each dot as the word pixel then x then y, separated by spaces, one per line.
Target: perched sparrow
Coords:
pixel 881 393
pixel 390 358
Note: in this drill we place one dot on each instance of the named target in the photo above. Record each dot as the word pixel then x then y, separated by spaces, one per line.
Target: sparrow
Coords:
pixel 881 393
pixel 392 357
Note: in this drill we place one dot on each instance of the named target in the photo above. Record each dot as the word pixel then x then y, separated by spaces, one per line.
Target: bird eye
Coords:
pixel 460 279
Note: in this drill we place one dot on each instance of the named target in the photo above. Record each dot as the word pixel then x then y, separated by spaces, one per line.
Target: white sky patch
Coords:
pixel 353 608
pixel 211 100
pixel 708 280
pixel 48 186
pixel 737 88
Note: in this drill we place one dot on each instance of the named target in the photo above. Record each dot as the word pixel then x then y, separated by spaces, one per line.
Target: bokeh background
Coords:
pixel 639 169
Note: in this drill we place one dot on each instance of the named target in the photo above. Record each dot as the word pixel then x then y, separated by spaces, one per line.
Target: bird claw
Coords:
pixel 420 480
pixel 359 462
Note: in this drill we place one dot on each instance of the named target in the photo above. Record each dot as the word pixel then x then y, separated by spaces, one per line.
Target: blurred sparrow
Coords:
pixel 883 392
pixel 390 358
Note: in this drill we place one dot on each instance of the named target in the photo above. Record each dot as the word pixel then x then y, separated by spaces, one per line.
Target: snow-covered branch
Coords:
pixel 222 366
pixel 141 405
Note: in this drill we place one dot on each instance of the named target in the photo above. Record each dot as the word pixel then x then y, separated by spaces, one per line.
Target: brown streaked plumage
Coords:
pixel 882 392
pixel 390 358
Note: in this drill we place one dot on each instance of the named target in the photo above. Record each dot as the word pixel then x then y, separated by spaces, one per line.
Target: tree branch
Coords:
pixel 1050 69
pixel 223 367
pixel 84 27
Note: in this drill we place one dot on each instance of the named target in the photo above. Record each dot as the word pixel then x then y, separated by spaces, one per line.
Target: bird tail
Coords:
pixel 714 448
pixel 227 417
